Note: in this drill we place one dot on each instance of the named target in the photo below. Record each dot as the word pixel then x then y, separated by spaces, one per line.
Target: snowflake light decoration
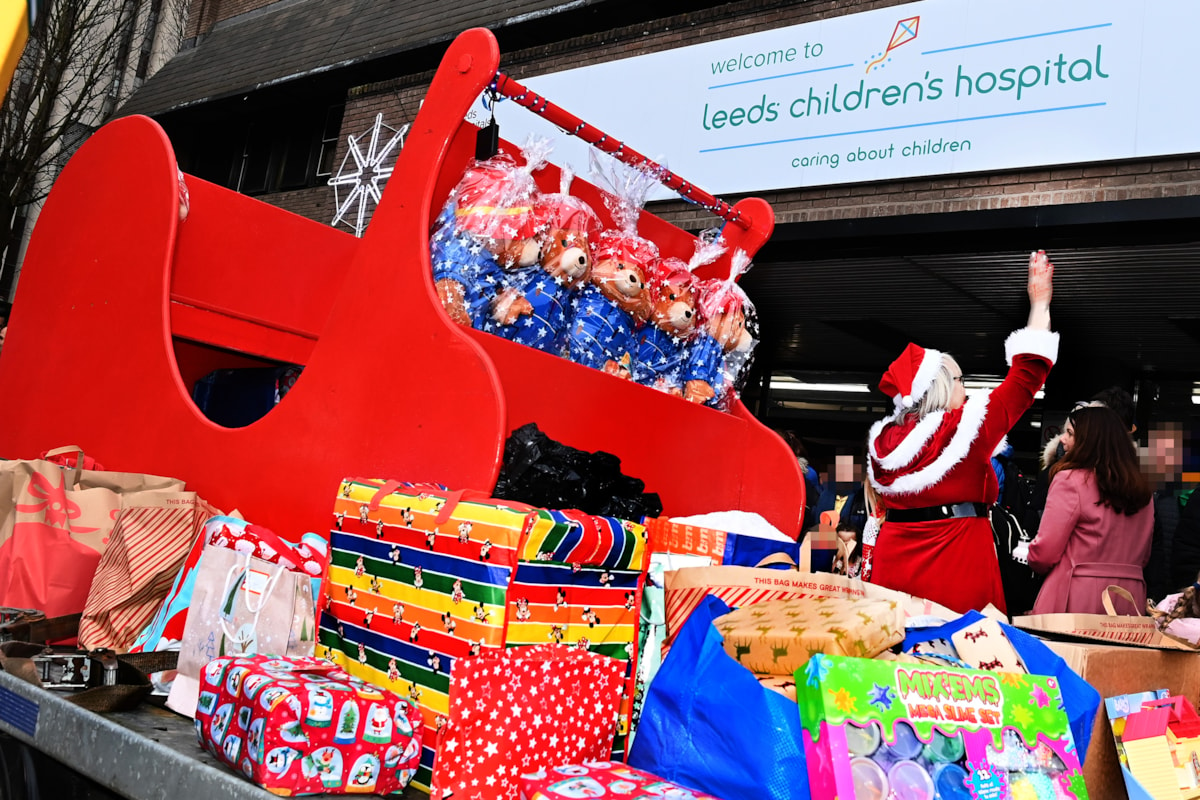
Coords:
pixel 362 181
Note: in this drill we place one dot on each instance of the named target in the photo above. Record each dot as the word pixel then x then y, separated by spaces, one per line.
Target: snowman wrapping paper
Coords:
pixel 601 779
pixel 303 726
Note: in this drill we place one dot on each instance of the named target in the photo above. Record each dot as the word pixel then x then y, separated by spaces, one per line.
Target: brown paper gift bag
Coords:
pixel 145 552
pixel 742 586
pixel 55 523
pixel 1111 627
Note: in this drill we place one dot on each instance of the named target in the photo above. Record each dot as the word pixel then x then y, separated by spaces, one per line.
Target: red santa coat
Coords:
pixel 943 459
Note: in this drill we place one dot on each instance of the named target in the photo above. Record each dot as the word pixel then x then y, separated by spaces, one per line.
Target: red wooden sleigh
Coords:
pixel 121 308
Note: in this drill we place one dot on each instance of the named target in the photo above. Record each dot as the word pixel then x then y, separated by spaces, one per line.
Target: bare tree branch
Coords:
pixel 81 61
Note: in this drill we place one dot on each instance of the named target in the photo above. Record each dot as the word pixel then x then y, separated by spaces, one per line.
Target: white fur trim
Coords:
pixel 930 364
pixel 1033 341
pixel 1050 452
pixel 908 449
pixel 1000 447
pixel 955 451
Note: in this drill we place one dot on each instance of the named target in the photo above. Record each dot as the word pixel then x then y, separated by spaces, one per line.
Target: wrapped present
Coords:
pixel 584 588
pixel 874 728
pixel 600 779
pixel 984 645
pixel 783 684
pixel 303 726
pixel 686 588
pixel 523 709
pixel 421 576
pixel 778 636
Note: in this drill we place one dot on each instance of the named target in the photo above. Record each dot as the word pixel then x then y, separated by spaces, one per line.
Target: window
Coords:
pixel 260 147
pixel 329 140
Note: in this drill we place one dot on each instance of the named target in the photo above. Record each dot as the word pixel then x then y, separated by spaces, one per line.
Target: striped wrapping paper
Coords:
pixel 147 549
pixel 583 586
pixel 408 594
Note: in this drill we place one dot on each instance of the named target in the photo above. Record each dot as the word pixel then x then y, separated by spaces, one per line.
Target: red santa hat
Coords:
pixel 566 212
pixel 671 270
pixel 909 377
pixel 495 199
pixel 626 247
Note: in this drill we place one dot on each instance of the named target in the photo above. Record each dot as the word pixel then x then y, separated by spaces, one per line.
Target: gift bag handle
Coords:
pixel 266 593
pixel 777 558
pixel 77 470
pixel 1121 592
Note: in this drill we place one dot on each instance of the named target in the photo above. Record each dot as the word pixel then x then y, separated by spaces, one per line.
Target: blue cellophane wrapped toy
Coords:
pixel 534 307
pixel 603 333
pixel 673 317
pixel 486 228
pixel 465 273
pixel 718 358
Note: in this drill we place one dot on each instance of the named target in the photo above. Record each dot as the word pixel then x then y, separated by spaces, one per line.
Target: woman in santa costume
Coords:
pixel 930 461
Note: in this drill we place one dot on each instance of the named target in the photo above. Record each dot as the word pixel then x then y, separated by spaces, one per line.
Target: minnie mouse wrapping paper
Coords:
pixel 302 726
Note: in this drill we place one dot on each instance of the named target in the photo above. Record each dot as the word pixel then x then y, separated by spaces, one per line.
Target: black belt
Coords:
pixel 934 513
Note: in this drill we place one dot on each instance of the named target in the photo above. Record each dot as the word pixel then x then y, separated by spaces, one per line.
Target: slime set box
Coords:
pixel 878 729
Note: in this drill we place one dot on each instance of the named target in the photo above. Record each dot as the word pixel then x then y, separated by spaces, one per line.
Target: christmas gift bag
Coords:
pixel 580 582
pixel 56 522
pixel 310 555
pixel 601 779
pixel 743 586
pixel 241 606
pixel 418 578
pixel 303 726
pixel 521 710
pixel 145 552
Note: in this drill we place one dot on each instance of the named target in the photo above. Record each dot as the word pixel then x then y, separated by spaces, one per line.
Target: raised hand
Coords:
pixel 1041 278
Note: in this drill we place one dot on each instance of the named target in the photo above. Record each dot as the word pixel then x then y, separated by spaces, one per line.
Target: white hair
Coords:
pixel 940 392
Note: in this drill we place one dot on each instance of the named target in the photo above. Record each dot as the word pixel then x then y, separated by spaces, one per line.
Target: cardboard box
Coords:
pixel 1115 670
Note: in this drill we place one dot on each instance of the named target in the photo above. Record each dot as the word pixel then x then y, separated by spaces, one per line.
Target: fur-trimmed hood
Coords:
pixel 906 456
pixel 1050 454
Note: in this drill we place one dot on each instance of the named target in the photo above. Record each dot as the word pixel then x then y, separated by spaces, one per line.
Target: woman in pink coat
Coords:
pixel 1098 520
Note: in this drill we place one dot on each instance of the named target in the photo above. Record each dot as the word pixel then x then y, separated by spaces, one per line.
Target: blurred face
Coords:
pixel 958 395
pixel 844 468
pixel 847 470
pixel 1068 436
pixel 1163 455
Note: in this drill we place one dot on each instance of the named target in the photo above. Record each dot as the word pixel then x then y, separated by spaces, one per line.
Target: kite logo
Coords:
pixel 905 32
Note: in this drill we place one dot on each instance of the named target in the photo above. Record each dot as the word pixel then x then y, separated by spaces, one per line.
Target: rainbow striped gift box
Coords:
pixel 420 575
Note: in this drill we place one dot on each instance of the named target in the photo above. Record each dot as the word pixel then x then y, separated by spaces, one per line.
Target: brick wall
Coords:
pixel 399 99
pixel 315 203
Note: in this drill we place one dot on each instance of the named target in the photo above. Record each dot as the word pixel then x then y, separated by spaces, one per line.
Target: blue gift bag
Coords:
pixel 709 725
pixel 1080 699
pixel 742 550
